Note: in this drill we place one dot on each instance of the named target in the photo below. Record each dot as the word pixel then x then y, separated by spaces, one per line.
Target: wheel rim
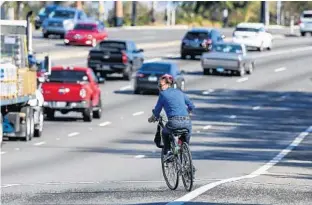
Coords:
pixel 169 169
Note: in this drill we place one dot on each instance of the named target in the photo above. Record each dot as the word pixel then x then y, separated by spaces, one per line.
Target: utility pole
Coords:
pixel 278 12
pixel 262 13
pixel 153 19
pixel 134 13
pixel 118 14
pixel 267 13
pixel 168 13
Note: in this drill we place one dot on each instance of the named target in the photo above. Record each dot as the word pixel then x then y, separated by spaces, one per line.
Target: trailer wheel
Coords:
pixel 38 131
pixel 28 121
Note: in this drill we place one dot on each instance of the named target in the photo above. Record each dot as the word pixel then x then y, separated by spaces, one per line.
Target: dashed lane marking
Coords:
pixel 207 127
pixel 139 156
pixel 206 92
pixel 73 134
pixel 138 113
pixel 104 124
pixel 3 152
pixel 233 117
pixel 39 143
pixel 242 80
pixel 279 69
pixel 17 149
pixel 262 170
pixel 256 108
pixel 58 138
pixel 127 87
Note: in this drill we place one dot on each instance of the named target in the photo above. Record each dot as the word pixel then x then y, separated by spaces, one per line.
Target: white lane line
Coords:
pixel 206 92
pixel 39 143
pixel 57 138
pixel 256 108
pixel 3 152
pixel 242 80
pixel 138 113
pixel 139 156
pixel 104 124
pixel 152 60
pixel 125 88
pixel 73 134
pixel 17 149
pixel 232 116
pixel 207 127
pixel 262 170
pixel 279 69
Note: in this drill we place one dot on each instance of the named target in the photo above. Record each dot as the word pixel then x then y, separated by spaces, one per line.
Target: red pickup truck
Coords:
pixel 72 89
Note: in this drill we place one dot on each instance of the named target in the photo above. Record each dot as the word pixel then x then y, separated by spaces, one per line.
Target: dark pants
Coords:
pixel 174 124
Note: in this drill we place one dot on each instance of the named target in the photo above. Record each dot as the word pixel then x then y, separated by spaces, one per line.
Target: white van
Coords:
pixel 305 22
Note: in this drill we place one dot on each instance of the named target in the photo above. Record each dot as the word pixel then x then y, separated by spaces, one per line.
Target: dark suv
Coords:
pixel 198 41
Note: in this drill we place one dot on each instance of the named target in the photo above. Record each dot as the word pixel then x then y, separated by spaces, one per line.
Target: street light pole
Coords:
pixel 134 11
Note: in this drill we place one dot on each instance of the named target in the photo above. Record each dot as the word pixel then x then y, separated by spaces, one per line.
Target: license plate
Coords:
pixel 220 69
pixel 152 78
pixel 60 104
pixel 105 67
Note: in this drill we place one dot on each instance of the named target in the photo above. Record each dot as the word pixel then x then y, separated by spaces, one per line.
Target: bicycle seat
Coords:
pixel 180 132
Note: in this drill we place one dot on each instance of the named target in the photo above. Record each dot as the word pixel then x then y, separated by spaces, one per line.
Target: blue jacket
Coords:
pixel 174 102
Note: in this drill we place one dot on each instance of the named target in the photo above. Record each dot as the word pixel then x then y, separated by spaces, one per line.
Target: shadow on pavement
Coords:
pixel 246 125
pixel 191 203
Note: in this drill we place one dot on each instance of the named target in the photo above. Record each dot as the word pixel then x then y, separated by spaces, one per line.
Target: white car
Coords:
pixel 305 22
pixel 253 35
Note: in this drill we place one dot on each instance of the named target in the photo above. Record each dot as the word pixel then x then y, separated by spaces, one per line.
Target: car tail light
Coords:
pixel 140 75
pixel 124 57
pixel 83 93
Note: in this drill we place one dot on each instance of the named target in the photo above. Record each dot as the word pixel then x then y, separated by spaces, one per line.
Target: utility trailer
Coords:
pixel 21 99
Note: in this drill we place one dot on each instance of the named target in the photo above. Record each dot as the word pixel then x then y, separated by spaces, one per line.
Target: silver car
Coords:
pixel 227 58
pixel 305 22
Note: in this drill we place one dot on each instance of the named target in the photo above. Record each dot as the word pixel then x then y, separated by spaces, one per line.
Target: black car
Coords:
pixel 148 75
pixel 43 14
pixel 115 56
pixel 198 41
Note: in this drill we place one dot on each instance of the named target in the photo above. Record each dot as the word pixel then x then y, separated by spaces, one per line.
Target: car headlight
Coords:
pixel 83 93
pixel 68 24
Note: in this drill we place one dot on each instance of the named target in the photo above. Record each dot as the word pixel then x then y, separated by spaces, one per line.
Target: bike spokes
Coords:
pixel 170 172
pixel 187 167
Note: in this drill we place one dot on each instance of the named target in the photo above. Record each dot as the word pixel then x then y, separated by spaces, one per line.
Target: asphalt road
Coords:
pixel 239 125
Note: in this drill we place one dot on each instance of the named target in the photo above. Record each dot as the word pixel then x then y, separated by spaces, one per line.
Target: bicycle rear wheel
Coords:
pixel 169 170
pixel 187 167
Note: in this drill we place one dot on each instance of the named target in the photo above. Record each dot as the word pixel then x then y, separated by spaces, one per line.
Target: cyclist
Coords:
pixel 177 107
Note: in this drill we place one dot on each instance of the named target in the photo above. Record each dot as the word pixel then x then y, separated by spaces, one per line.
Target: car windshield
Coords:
pixel 46 11
pixel 196 35
pixel 307 16
pixel 112 45
pixel 63 14
pixel 245 29
pixel 70 76
pixel 226 48
pixel 87 27
pixel 157 67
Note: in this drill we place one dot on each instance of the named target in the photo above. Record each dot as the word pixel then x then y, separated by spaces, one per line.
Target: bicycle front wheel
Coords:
pixel 169 170
pixel 187 167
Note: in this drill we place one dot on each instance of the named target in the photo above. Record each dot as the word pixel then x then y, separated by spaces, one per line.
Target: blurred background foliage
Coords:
pixel 195 13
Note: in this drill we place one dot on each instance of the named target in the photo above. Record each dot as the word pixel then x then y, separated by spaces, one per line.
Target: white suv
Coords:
pixel 305 22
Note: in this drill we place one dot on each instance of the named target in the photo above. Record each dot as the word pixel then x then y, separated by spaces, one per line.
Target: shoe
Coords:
pixel 168 156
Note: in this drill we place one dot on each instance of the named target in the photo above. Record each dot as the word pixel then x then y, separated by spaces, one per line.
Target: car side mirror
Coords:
pixel 101 80
pixel 47 65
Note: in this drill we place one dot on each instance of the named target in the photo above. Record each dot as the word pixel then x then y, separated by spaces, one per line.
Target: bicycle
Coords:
pixel 181 160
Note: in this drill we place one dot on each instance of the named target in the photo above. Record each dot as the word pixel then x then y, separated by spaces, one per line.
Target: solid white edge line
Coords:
pixel 279 69
pixel 197 192
pixel 39 143
pixel 242 79
pixel 138 113
pixel 152 60
pixel 139 156
pixel 73 134
pixel 3 152
pixel 104 123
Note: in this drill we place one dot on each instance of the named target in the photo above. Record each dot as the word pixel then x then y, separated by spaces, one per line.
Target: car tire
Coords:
pixel 87 114
pixel 183 56
pixel 62 36
pixel 37 27
pixel 98 113
pixel 206 72
pixel 50 114
pixel 38 132
pixel 45 35
pixel 250 69
pixel 137 91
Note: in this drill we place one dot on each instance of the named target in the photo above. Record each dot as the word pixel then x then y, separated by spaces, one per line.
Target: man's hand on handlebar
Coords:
pixel 152 119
